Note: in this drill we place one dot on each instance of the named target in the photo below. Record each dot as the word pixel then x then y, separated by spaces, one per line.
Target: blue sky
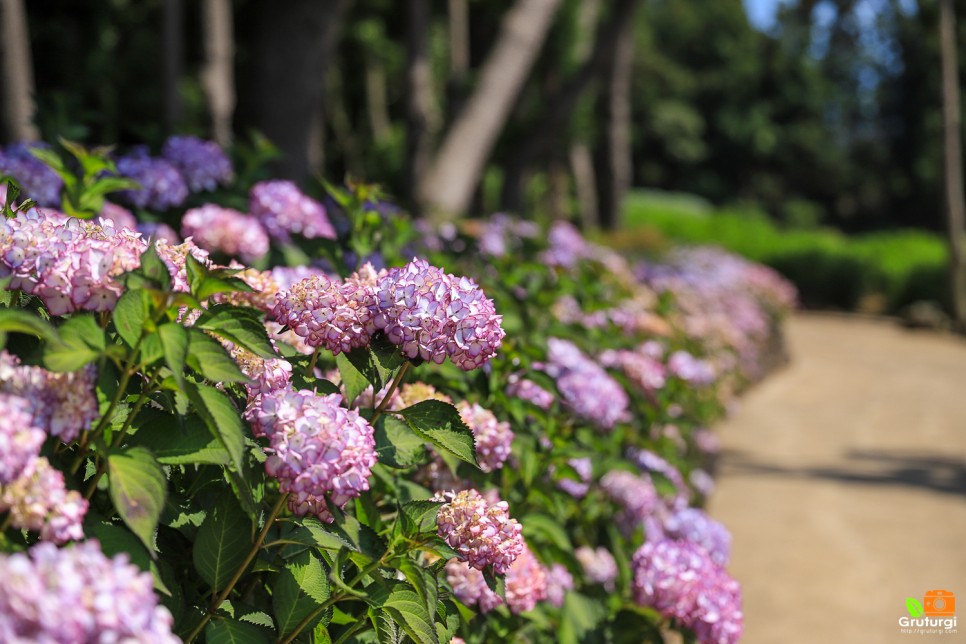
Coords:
pixel 761 13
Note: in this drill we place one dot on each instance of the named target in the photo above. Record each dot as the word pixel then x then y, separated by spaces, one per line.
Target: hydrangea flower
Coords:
pixel 76 594
pixel 70 264
pixel 62 404
pixel 317 448
pixel 692 524
pixel 645 371
pixel 526 582
pixel 566 246
pixel 635 494
pixel 327 313
pixel 690 369
pixel 266 375
pixel 493 437
pixel 175 258
pixel 416 392
pixel 203 164
pixel 120 216
pixel 585 469
pixel 653 463
pixel 162 186
pixel 154 230
pixel 559 581
pixel 430 314
pixel 470 587
pixel 681 581
pixel 481 533
pixel 38 181
pixel 285 211
pixel 585 388
pixel 529 391
pixel 226 231
pixel 20 439
pixel 38 500
pixel 598 564
pixel 702 482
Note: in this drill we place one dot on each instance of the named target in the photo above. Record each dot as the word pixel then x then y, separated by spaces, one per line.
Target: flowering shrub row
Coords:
pixel 207 444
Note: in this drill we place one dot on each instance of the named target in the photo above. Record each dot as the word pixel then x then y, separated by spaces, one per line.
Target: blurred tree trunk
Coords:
pixel 459 54
pixel 422 119
pixel 172 57
pixel 582 167
pixel 18 73
pixel 561 104
pixel 448 185
pixel 617 164
pixel 290 54
pixel 953 157
pixel 218 74
pixel 377 102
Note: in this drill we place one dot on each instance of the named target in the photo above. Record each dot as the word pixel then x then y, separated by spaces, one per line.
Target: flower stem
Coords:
pixel 315 357
pixel 392 389
pixel 223 595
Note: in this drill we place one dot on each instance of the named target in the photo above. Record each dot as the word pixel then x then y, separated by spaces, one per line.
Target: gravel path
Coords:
pixel 843 482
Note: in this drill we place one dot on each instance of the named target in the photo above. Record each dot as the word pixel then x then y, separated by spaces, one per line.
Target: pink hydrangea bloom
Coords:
pixel 493 437
pixel 598 564
pixel 483 534
pixel 470 587
pixel 226 231
pixel 76 594
pixel 317 448
pixel 529 391
pixel 20 440
pixel 559 581
pixel 526 582
pixel 120 216
pixel 578 488
pixel 417 392
pixel 39 501
pixel 285 211
pixel 694 525
pixel 635 494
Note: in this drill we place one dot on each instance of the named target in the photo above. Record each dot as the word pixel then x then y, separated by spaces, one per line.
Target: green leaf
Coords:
pixel 20 321
pixel 212 285
pixel 362 360
pixel 115 539
pixel 542 529
pixel 82 341
pixel 137 488
pixel 177 441
pixel 419 517
pixel 130 315
pixel 229 631
pixel 314 533
pixel 239 325
pixel 423 580
pixel 358 537
pixel 496 583
pixel 407 609
pixel 581 621
pixel 440 423
pixel 386 353
pixel 174 343
pixel 299 589
pixel 223 542
pixel 154 269
pixel 352 379
pixel 397 445
pixel 210 359
pixel 218 412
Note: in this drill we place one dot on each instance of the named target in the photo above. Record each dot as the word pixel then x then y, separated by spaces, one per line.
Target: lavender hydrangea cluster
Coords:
pixel 651 462
pixel 161 185
pixel 681 581
pixel 493 437
pixel 76 594
pixel 38 500
pixel 566 246
pixel 578 488
pixel 20 440
pixel 431 314
pixel 62 404
pixel 529 391
pixel 692 524
pixel 38 181
pixel 285 211
pixel 690 369
pixel 157 231
pixel 203 164
pixel 559 581
pixel 585 388
pixel 598 564
pixel 265 375
pixel 635 494
pixel 318 449
pixel 469 586
pixel 70 264
pixel 226 231
pixel 482 534
pixel 645 371
pixel 526 582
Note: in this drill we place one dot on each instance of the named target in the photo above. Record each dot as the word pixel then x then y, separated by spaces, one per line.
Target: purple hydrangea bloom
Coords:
pixel 692 524
pixel 318 449
pixel 585 388
pixel 227 231
pixel 470 587
pixel 431 314
pixel 653 463
pixel 646 372
pixel 598 564
pixel 285 211
pixel 481 533
pixel 162 186
pixel 681 581
pixel 203 164
pixel 566 246
pixel 702 482
pixel 38 181
pixel 559 581
pixel 635 494
pixel 690 369
pixel 38 500
pixel 154 230
pixel 529 391
pixel 585 469
pixel 492 436
pixel 76 594
pixel 20 439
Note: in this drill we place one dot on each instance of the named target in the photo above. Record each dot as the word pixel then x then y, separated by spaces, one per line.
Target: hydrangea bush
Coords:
pixel 371 434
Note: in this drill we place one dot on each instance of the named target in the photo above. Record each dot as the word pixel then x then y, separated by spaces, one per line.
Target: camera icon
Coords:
pixel 939 603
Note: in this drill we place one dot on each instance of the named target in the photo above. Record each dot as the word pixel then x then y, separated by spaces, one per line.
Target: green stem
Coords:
pixel 6 522
pixel 392 389
pixel 315 357
pixel 241 569
pixel 358 626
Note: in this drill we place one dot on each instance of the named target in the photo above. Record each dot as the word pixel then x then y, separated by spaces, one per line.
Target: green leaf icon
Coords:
pixel 914 607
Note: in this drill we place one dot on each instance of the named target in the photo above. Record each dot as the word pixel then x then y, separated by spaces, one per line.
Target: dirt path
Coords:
pixel 843 481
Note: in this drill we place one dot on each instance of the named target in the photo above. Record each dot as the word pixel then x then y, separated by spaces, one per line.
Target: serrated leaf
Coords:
pixel 298 590
pixel 180 442
pixel 358 537
pixel 153 267
pixel 419 517
pixel 20 321
pixel 424 581
pixel 313 533
pixel 407 610
pixel 130 314
pixel 440 423
pixel 239 325
pixel 353 381
pixel 222 630
pixel 174 343
pixel 221 417
pixel 210 359
pixel 364 363
pixel 397 445
pixel 82 341
pixel 212 285
pixel 496 583
pixel 386 353
pixel 137 487
pixel 223 542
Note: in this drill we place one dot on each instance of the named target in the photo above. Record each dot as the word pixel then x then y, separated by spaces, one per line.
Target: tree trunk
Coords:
pixel 172 57
pixel 18 73
pixel 582 167
pixel 448 185
pixel 459 53
pixel 422 120
pixel 290 53
pixel 218 74
pixel 377 102
pixel 562 103
pixel 953 157
pixel 618 164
